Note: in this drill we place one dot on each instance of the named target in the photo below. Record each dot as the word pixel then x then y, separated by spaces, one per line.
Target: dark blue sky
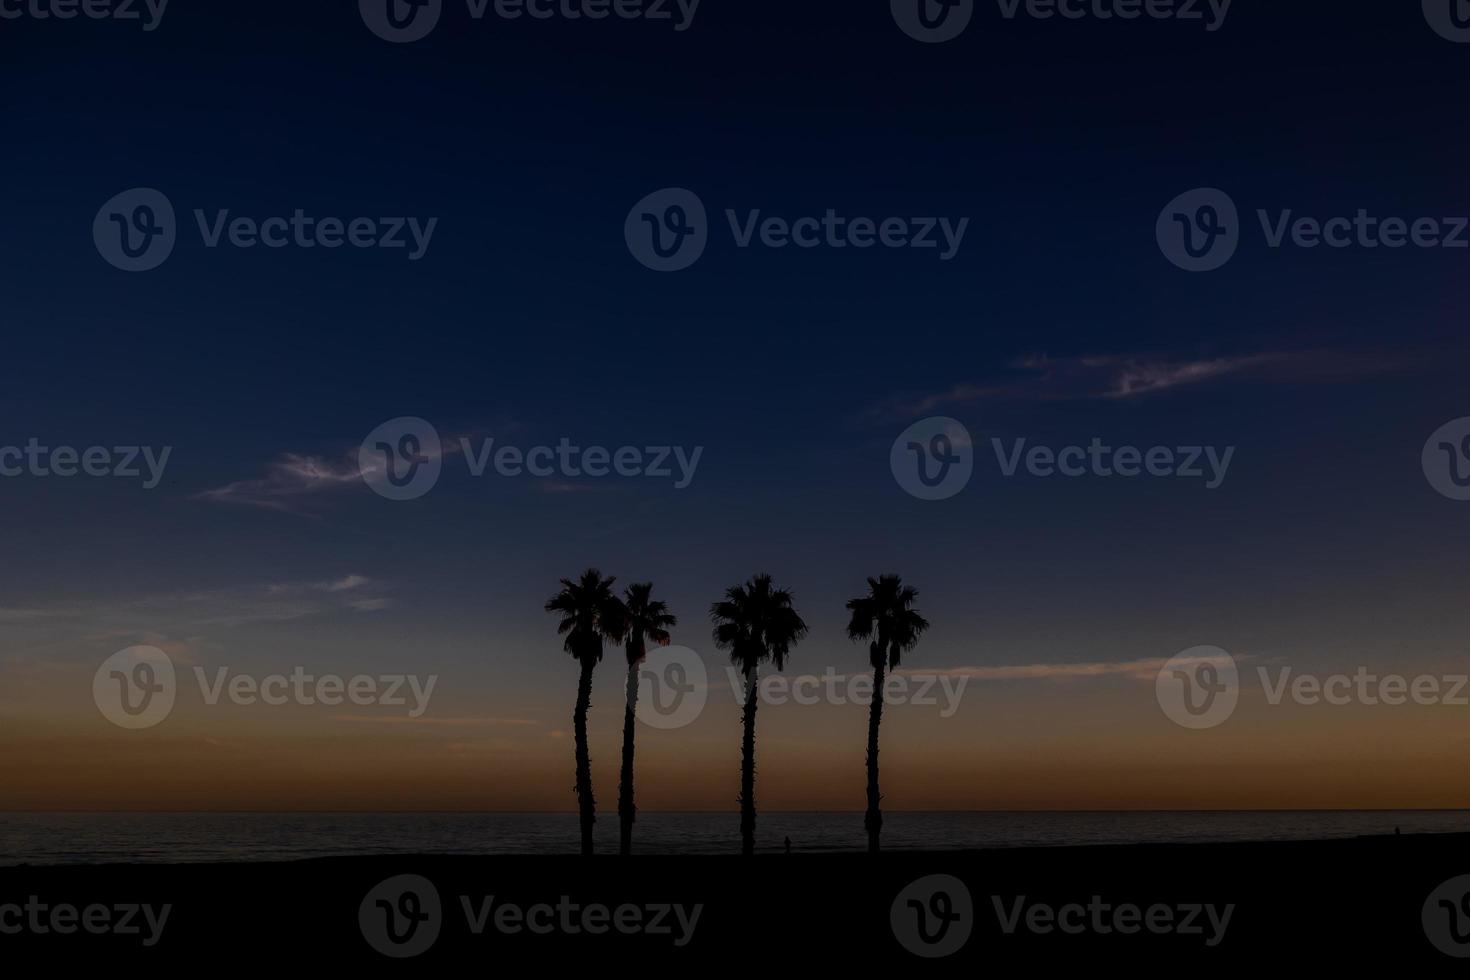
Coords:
pixel 795 370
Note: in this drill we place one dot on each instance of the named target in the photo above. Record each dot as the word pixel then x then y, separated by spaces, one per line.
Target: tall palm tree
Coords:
pixel 755 623
pixel 647 622
pixel 590 615
pixel 887 617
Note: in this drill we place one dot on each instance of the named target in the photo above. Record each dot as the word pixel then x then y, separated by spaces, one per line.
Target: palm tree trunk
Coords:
pixel 747 767
pixel 627 812
pixel 585 803
pixel 873 820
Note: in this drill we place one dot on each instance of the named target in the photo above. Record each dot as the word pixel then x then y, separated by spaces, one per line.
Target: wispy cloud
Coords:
pixel 1145 669
pixel 289 483
pixel 179 622
pixel 1130 379
pixel 463 722
pixel 1042 378
pixel 565 486
pixel 287 480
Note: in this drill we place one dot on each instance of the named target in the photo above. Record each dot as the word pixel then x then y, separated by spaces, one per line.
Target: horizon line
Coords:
pixel 573 813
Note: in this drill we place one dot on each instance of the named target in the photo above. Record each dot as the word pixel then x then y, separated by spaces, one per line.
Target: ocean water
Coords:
pixel 100 838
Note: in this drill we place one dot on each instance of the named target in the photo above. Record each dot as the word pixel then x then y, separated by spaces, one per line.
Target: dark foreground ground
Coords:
pixel 1363 902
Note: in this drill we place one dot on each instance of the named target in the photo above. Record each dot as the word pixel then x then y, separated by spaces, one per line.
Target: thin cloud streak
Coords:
pixel 296 476
pixel 1117 377
pixel 1144 669
pixel 287 479
pixel 469 722
pixel 157 619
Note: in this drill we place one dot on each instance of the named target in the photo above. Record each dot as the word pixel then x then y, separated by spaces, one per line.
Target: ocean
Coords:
pixel 109 838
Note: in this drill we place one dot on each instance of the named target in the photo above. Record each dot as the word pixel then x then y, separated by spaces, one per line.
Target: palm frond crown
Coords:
pixel 886 616
pixel 755 623
pixel 590 615
pixel 648 620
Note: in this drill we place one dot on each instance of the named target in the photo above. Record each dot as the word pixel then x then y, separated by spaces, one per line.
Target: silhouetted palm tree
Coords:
pixel 647 622
pixel 887 617
pixel 755 623
pixel 590 615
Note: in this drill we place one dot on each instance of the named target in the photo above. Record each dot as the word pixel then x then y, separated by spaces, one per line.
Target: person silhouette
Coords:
pixel 788 845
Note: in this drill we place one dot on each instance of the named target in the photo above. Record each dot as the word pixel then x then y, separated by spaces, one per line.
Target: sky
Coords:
pixel 526 320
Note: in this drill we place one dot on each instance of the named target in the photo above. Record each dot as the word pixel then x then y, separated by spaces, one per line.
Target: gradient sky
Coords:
pixel 1325 549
